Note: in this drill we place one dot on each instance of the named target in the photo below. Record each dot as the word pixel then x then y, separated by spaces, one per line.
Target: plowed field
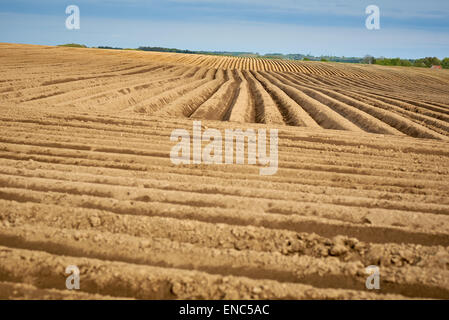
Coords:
pixel 86 178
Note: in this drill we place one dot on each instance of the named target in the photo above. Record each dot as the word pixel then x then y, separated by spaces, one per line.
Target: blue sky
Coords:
pixel 409 29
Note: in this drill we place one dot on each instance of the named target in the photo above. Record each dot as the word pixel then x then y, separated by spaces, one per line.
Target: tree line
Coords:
pixel 426 62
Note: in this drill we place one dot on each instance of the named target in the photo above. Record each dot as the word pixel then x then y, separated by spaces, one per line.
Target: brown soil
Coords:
pixel 86 178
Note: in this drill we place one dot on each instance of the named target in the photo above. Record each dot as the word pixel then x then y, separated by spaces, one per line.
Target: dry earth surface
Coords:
pixel 86 178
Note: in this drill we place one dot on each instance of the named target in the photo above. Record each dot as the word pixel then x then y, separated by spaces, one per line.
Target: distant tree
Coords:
pixel 406 63
pixel 368 59
pixel 73 45
pixel 111 48
pixel 395 62
pixel 445 63
pixel 418 63
pixel 430 61
pixel 435 61
pixel 324 60
pixel 386 62
pixel 306 59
